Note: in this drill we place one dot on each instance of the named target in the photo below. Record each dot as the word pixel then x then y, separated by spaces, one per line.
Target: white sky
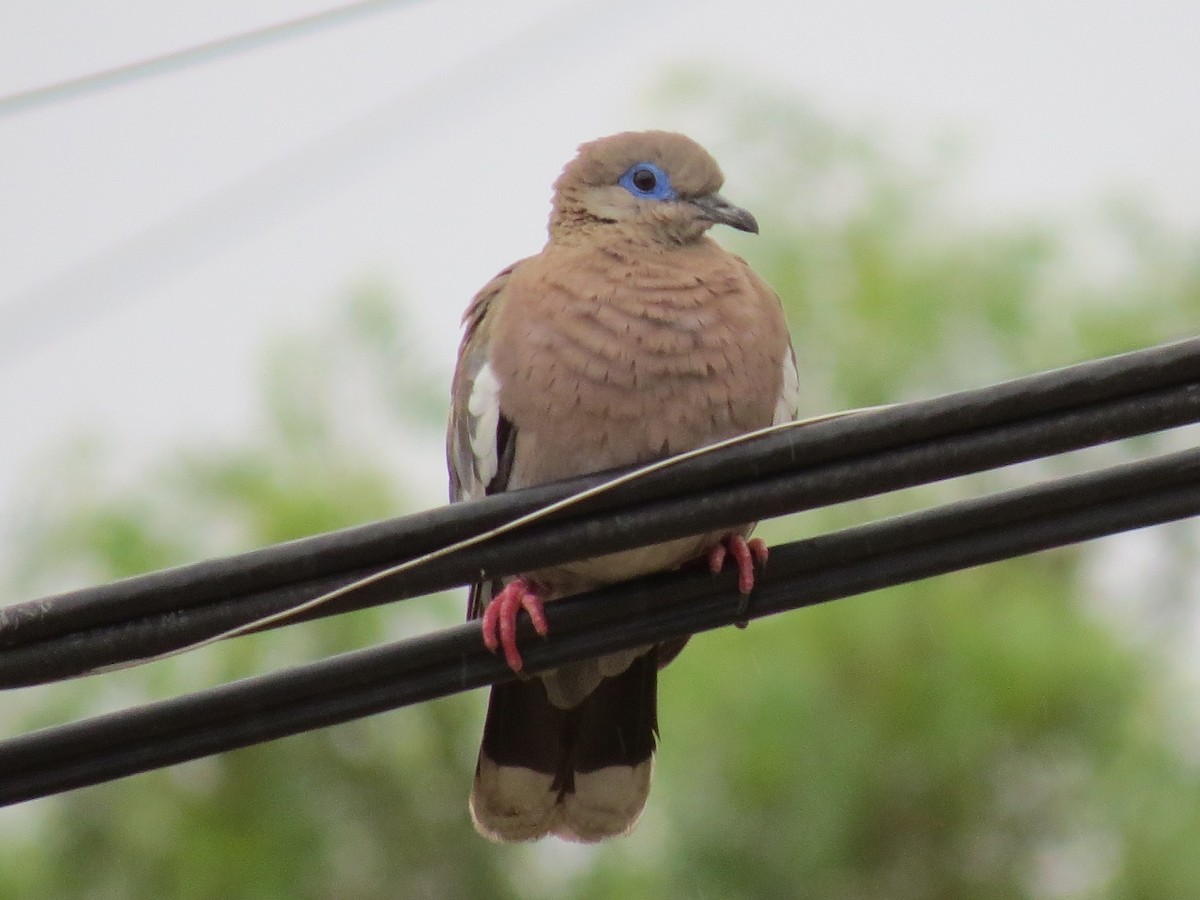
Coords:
pixel 483 102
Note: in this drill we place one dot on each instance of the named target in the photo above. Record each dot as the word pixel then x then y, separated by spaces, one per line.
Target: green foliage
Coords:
pixel 893 290
pixel 374 808
pixel 979 735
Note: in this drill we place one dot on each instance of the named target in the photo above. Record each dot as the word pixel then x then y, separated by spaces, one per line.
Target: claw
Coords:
pixel 500 619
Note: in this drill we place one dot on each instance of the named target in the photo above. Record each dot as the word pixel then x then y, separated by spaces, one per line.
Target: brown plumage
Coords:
pixel 630 337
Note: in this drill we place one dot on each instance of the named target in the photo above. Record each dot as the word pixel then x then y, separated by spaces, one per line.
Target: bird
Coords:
pixel 632 336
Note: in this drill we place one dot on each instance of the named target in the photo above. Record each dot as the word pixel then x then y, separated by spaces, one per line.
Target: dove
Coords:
pixel 632 336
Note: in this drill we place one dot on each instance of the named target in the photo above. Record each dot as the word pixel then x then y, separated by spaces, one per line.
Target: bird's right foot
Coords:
pixel 500 619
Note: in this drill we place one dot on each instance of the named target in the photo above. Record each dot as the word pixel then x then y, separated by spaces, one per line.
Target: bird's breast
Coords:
pixel 607 359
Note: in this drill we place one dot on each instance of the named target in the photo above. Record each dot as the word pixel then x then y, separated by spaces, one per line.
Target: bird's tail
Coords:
pixel 581 773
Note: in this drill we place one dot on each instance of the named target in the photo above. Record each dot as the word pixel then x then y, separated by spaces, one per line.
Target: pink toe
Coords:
pixel 744 554
pixel 716 558
pixel 499 621
pixel 533 605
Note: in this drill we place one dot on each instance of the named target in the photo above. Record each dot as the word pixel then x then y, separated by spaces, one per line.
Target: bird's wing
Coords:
pixel 480 440
pixel 787 405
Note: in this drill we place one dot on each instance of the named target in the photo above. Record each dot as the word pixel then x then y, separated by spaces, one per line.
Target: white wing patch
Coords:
pixel 484 408
pixel 789 395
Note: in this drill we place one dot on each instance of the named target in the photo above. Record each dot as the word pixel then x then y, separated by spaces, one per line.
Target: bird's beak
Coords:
pixel 720 211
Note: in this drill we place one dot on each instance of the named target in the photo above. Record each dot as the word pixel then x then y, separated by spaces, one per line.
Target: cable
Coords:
pixel 246 204
pixel 828 462
pixel 173 61
pixel 661 607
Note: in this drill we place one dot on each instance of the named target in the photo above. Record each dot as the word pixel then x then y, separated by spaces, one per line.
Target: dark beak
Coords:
pixel 720 211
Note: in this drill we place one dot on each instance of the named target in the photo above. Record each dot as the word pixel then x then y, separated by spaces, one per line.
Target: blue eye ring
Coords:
pixel 648 181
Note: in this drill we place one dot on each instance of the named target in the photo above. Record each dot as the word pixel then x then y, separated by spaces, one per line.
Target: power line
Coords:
pixel 231 213
pixel 175 60
pixel 815 465
pixel 656 608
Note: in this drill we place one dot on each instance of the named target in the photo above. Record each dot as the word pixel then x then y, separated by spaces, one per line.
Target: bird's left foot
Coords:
pixel 745 554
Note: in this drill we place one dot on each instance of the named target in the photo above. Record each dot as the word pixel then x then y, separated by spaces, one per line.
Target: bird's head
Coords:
pixel 654 186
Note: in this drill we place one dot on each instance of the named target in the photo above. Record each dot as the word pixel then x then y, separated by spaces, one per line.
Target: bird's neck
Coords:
pixel 623 238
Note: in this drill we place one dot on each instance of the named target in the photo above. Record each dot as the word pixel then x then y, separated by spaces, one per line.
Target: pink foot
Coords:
pixel 745 554
pixel 500 619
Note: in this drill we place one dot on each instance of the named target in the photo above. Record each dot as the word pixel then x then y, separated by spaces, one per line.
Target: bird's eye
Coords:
pixel 648 181
pixel 644 180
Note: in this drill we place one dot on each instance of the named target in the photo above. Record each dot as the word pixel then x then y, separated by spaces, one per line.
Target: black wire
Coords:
pixel 197 230
pixel 208 51
pixel 824 463
pixel 866 557
pixel 666 506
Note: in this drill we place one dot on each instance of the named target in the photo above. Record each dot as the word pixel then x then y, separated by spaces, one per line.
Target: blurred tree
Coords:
pixel 986 734
pixel 373 809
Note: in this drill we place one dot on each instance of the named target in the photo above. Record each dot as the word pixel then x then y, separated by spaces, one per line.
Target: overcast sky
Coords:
pixel 417 145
